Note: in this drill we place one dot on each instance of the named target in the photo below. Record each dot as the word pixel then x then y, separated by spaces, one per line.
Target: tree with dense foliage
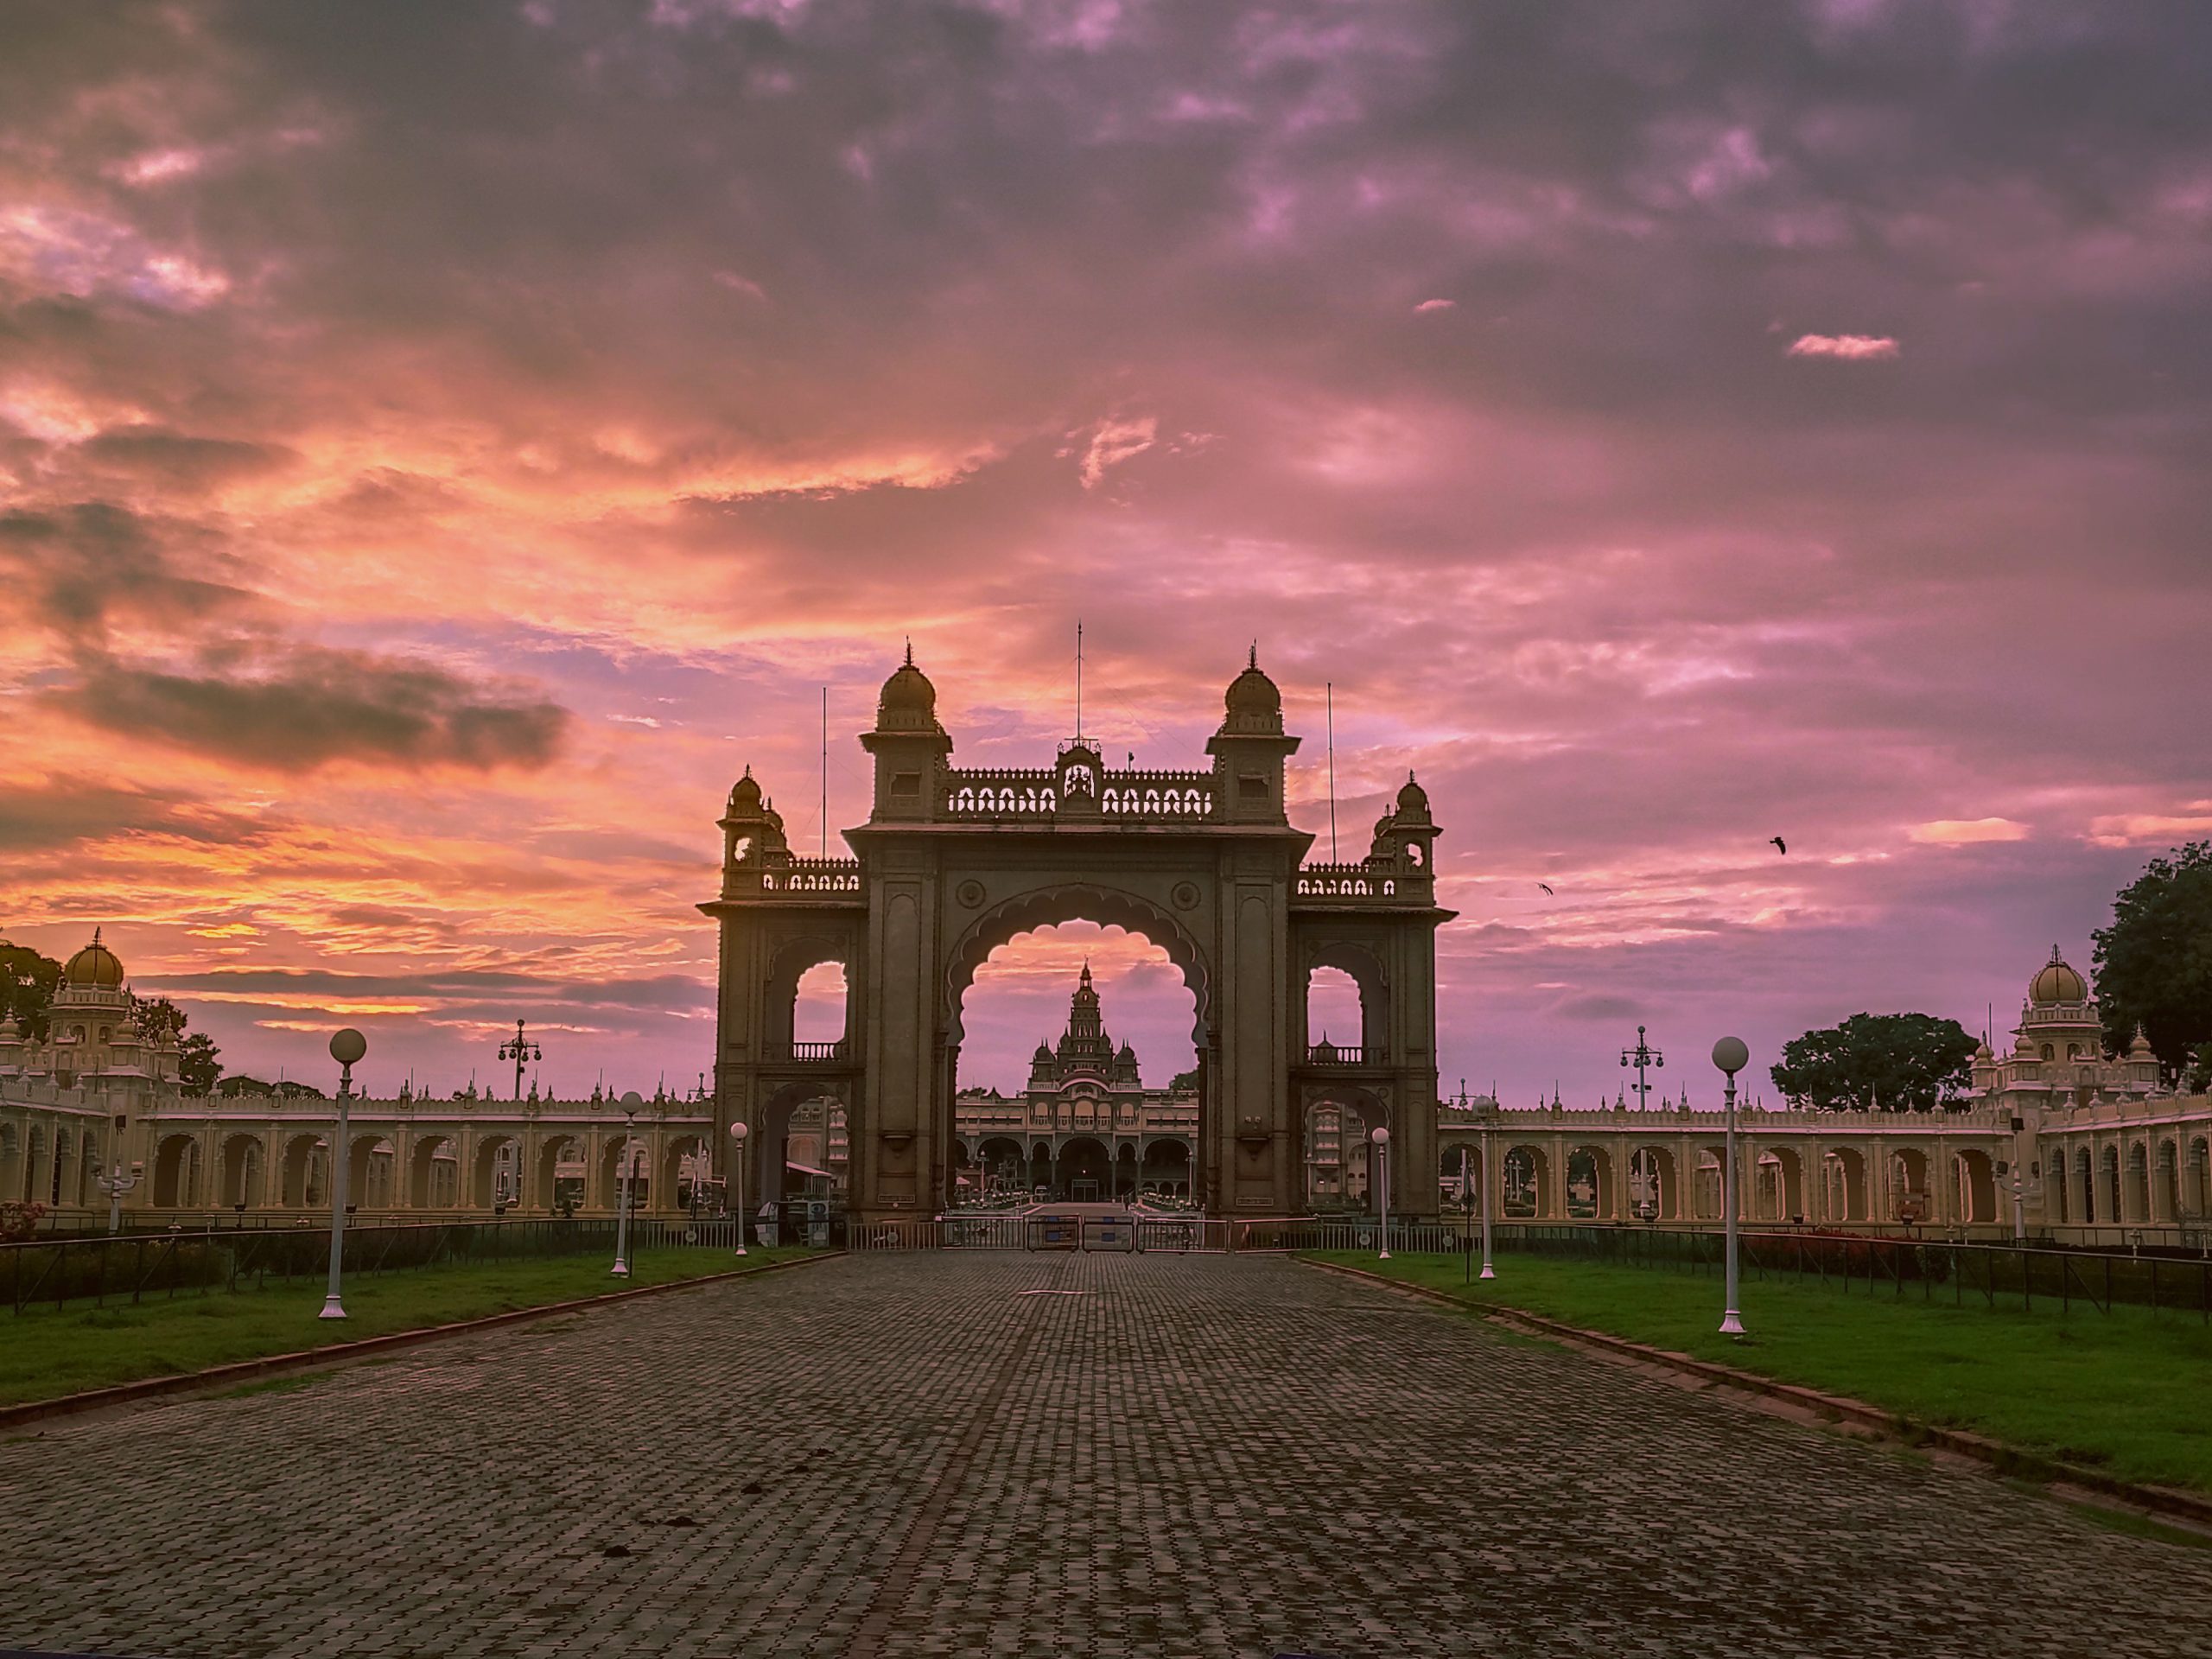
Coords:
pixel 1184 1081
pixel 1897 1062
pixel 2154 963
pixel 27 982
pixel 197 1067
pixel 159 1021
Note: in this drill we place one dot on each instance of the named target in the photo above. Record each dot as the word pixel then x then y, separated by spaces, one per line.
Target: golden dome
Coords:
pixel 2056 981
pixel 94 965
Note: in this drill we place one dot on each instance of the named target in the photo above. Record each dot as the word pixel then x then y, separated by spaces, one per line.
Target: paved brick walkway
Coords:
pixel 1146 1456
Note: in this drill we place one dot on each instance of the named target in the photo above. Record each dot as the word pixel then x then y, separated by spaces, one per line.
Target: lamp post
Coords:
pixel 2019 1206
pixel 346 1047
pixel 117 1181
pixel 1381 1138
pixel 630 1101
pixel 519 1050
pixel 1732 1056
pixel 1489 1112
pixel 1639 1057
pixel 737 1133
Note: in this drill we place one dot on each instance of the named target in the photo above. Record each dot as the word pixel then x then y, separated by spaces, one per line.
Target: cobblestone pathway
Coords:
pixel 1031 1455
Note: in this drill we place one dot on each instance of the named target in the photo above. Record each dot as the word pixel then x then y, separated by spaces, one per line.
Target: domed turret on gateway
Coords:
pixel 908 700
pixel 908 744
pixel 1250 748
pixel 1252 704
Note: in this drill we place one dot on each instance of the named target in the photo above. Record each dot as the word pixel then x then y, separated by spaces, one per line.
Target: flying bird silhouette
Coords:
pixel 1546 887
pixel 1780 845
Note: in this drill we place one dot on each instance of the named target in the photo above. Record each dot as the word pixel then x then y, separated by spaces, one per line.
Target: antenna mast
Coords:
pixel 1078 679
pixel 1330 690
pixel 825 772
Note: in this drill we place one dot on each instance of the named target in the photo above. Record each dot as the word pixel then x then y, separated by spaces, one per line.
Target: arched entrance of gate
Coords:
pixel 953 862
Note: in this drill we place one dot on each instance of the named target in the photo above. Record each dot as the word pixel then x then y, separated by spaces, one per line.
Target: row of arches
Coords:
pixel 2150 1184
pixel 1667 1184
pixel 56 1169
pixel 188 1173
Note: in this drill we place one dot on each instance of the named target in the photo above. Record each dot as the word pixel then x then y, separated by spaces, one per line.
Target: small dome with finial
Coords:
pixel 1413 799
pixel 1252 697
pixel 745 797
pixel 2056 982
pixel 95 965
pixel 909 701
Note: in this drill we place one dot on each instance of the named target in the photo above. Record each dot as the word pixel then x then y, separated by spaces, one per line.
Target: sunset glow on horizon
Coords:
pixel 441 447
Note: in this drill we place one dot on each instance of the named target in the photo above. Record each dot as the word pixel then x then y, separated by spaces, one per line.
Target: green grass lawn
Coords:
pixel 2125 1392
pixel 44 1354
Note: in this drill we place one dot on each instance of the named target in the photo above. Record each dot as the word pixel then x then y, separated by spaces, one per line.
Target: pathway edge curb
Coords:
pixel 1999 1455
pixel 151 1388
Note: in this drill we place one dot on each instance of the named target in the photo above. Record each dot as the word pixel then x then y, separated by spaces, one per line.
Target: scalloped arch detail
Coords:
pixel 1073 901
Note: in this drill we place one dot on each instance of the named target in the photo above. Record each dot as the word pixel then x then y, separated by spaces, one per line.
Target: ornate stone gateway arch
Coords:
pixel 953 863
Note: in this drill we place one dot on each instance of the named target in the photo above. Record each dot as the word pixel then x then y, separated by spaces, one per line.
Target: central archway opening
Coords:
pixel 1077 1079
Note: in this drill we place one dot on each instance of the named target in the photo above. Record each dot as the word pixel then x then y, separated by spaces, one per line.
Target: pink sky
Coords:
pixel 440 447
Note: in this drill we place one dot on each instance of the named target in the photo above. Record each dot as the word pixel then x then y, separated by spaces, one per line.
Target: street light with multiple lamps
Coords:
pixel 520 1050
pixel 117 1181
pixel 1639 1057
pixel 1732 1056
pixel 346 1047
pixel 737 1133
pixel 1381 1138
pixel 630 1101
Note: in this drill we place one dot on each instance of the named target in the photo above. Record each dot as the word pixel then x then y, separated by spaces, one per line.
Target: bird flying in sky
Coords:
pixel 1780 845
pixel 1546 887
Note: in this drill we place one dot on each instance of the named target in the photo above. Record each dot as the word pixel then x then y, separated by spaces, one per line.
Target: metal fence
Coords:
pixel 1045 1230
pixel 131 1267
pixel 2022 1275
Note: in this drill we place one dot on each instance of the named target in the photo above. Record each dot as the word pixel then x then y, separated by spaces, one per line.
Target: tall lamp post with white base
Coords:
pixel 346 1047
pixel 631 1100
pixel 737 1133
pixel 1489 1184
pixel 1732 1056
pixel 1381 1140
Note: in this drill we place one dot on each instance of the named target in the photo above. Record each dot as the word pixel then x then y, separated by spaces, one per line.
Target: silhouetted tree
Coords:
pixel 196 1066
pixel 2154 963
pixel 1901 1062
pixel 27 980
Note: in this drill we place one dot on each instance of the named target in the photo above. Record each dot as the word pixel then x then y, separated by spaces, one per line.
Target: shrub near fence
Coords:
pixel 134 1268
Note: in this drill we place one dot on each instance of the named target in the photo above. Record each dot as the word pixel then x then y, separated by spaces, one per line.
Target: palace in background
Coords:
pixel 1085 1127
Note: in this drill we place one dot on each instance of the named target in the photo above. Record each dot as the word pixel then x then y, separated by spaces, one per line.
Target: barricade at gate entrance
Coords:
pixel 1110 1233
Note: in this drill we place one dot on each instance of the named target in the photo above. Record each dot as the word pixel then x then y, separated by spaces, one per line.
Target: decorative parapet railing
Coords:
pixel 1145 796
pixel 806 875
pixel 1001 792
pixel 1347 882
pixel 1347 1054
pixel 1037 794
pixel 814 1052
